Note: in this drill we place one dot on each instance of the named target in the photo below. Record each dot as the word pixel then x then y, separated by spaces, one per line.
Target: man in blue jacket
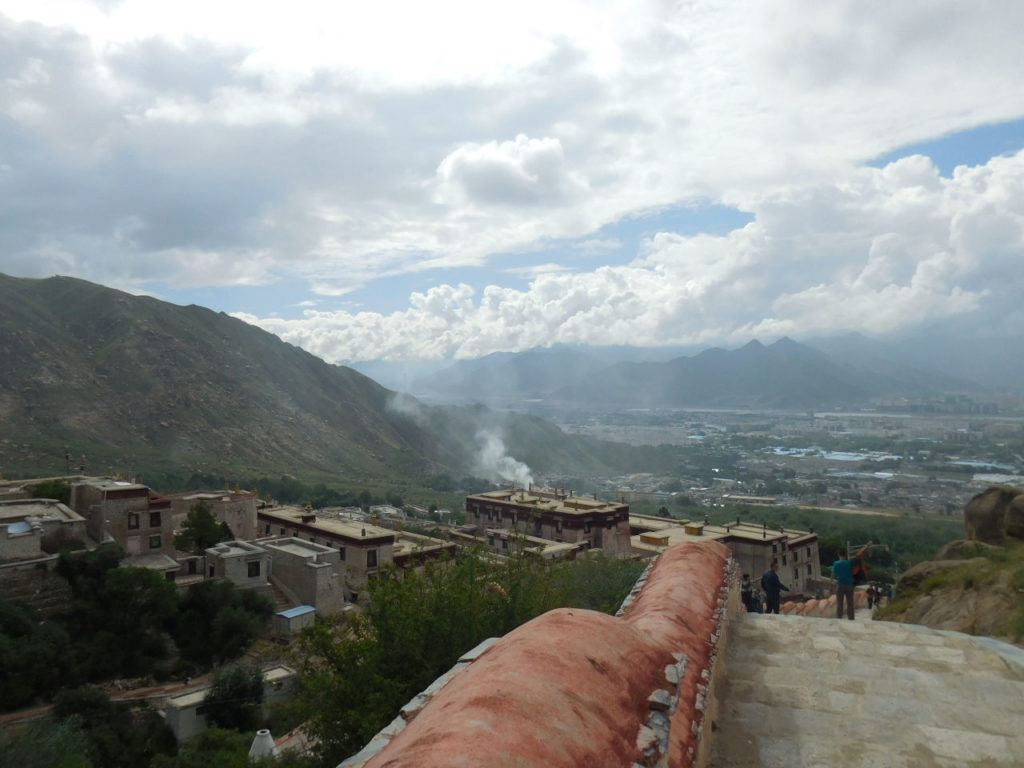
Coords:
pixel 772 587
pixel 842 577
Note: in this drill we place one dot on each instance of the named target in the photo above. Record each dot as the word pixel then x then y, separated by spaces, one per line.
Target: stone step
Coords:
pixel 808 691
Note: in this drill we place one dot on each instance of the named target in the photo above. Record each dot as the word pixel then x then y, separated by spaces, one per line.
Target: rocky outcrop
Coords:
pixel 973 585
pixel 995 514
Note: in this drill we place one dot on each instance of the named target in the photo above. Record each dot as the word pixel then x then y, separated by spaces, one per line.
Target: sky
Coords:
pixel 408 180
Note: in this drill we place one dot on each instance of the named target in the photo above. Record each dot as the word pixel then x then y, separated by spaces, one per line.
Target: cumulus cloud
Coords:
pixel 884 249
pixel 521 172
pixel 146 145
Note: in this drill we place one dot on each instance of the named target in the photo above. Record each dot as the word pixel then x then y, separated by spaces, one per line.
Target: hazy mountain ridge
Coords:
pixel 843 371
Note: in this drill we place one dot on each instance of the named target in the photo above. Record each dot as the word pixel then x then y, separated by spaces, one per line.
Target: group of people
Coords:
pixel 847 573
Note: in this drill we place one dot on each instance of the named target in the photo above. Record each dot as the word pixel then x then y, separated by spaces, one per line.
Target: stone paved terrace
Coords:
pixel 682 678
pixel 798 691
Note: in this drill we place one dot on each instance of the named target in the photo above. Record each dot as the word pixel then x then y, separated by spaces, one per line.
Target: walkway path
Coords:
pixel 797 691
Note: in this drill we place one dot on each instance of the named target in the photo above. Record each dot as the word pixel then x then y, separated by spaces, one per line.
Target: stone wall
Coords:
pixel 576 687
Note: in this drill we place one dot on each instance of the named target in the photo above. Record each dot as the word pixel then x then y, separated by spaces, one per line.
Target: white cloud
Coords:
pixel 881 251
pixel 521 172
pixel 335 144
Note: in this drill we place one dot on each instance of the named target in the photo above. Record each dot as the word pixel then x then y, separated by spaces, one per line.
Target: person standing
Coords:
pixel 842 577
pixel 773 587
pixel 747 593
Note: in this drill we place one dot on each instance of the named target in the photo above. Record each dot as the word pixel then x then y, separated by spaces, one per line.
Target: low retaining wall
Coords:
pixel 576 687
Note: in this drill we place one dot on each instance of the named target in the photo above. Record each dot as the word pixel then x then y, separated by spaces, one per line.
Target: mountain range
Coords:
pixel 99 378
pixel 129 384
pixel 848 371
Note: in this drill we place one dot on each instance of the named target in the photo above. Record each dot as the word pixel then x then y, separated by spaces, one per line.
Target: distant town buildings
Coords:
pixel 25 523
pixel 139 520
pixel 753 546
pixel 553 515
pixel 363 548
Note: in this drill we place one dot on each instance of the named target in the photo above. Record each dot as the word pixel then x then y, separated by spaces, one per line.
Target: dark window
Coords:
pixel 371 558
pixel 281 533
pixel 267 530
pixel 341 552
pixel 504 543
pixel 809 571
pixel 796 574
pixel 783 559
pixel 211 572
pixel 155 542
pixel 558 526
pixel 808 553
pixel 254 569
pixel 775 548
pixel 133 520
pixel 169 575
pixel 154 519
pixel 490 541
pixel 586 527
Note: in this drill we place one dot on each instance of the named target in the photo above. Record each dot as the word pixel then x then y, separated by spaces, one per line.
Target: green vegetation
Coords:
pixel 216 622
pixel 359 671
pixel 53 489
pixel 200 531
pixel 980 567
pixel 45 744
pixel 235 698
pixel 117 625
pixel 117 735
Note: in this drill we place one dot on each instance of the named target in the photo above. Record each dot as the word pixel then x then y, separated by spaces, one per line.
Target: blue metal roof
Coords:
pixel 299 610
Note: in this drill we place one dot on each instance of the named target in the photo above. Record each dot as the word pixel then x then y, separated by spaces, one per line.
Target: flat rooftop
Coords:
pixel 340 526
pixel 108 484
pixel 16 510
pixel 235 549
pixel 548 501
pixel 296 546
pixel 661 532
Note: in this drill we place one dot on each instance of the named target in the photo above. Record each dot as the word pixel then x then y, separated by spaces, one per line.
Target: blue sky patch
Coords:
pixel 973 147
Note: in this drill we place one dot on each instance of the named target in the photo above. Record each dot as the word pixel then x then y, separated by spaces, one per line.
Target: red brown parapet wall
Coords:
pixel 576 687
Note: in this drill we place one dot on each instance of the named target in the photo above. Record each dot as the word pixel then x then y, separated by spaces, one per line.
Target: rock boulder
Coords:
pixel 994 514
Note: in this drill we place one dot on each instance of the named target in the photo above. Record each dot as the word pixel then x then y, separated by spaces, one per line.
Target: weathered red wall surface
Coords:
pixel 571 688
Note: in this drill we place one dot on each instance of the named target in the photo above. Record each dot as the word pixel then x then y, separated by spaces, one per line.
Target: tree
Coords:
pixel 45 744
pixel 217 621
pixel 118 736
pixel 53 489
pixel 356 674
pixel 200 531
pixel 235 700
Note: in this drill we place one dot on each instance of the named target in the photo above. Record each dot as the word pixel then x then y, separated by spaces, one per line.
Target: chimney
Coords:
pixel 263 744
